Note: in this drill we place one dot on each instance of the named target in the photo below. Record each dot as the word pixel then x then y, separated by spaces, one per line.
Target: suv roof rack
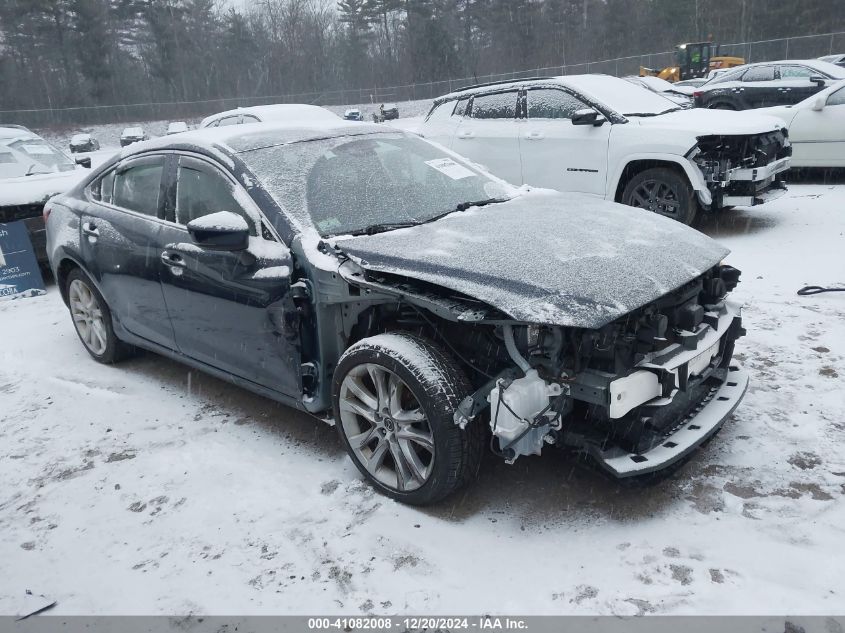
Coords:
pixel 500 82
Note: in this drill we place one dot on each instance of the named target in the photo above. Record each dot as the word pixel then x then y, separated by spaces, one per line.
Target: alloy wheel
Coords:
pixel 87 317
pixel 656 196
pixel 386 427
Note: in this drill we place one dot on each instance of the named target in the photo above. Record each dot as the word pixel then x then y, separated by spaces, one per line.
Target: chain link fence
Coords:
pixel 801 47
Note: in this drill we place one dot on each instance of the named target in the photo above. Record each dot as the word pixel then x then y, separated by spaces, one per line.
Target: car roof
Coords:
pixel 233 139
pixel 277 112
pixel 16 131
pixel 818 64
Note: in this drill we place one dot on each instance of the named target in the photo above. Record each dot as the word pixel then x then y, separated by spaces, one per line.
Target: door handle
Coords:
pixel 784 89
pixel 465 134
pixel 172 259
pixel 90 229
pixel 534 136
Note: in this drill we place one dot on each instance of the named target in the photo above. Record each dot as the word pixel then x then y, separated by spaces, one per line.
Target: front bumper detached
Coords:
pixel 693 430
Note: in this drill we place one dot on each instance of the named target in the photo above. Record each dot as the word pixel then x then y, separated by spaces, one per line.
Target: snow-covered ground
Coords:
pixel 149 488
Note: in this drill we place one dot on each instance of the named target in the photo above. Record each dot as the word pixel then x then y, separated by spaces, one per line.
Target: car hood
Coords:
pixel 37 188
pixel 704 122
pixel 546 257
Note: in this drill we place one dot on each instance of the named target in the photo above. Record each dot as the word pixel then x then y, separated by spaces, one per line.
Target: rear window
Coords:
pixel 761 73
pixel 136 187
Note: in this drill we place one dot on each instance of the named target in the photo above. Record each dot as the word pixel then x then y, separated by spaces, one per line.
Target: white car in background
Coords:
pixel 604 136
pixel 279 112
pixel 31 172
pixel 816 127
pixel 177 127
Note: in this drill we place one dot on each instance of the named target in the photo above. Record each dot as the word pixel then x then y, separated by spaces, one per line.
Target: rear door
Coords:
pixel 759 87
pixel 489 134
pixel 556 153
pixel 119 243
pixel 230 309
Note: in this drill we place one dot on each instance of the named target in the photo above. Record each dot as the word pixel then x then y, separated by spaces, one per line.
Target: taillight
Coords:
pixel 46 212
pixel 697 94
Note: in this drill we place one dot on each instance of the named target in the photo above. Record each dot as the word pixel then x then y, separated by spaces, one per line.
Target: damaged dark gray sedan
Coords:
pixel 425 307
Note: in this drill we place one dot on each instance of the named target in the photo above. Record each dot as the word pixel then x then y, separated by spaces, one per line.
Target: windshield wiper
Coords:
pixel 648 114
pixel 463 206
pixel 381 227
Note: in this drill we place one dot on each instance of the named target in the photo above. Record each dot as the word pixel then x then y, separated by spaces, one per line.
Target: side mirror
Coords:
pixel 588 116
pixel 222 231
pixel 83 161
pixel 818 80
pixel 819 103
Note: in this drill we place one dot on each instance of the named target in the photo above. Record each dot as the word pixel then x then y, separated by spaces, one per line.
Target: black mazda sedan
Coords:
pixel 424 307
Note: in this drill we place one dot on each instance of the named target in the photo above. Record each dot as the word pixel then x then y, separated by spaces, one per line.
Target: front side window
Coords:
pixel 837 98
pixel 229 120
pixel 552 104
pixel 346 184
pixel 760 73
pixel 137 186
pixel 501 105
pixel 248 118
pixel 201 191
pixel 796 72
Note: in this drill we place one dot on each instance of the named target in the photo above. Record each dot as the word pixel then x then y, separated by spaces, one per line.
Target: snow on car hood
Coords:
pixel 37 188
pixel 547 257
pixel 704 121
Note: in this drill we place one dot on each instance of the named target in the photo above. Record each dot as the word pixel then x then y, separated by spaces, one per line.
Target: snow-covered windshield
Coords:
pixel 349 184
pixel 29 156
pixel 133 131
pixel 624 97
pixel 80 138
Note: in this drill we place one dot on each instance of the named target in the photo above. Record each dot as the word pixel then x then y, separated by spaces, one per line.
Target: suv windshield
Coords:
pixel 31 155
pixel 352 184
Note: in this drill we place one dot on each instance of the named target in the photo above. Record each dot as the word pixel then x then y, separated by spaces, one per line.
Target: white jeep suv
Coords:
pixel 604 136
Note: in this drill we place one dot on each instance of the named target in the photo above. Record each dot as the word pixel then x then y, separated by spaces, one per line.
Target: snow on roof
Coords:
pixel 16 132
pixel 826 67
pixel 278 112
pixel 80 138
pixel 133 131
pixel 239 138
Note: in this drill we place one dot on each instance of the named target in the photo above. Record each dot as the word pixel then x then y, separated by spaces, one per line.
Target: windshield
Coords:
pixel 30 156
pixel 348 184
pixel 624 97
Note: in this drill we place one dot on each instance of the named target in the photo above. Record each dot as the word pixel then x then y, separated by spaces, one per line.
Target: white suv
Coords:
pixel 604 136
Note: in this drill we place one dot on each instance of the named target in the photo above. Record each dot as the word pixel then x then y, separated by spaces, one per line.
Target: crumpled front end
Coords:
pixel 636 395
pixel 743 170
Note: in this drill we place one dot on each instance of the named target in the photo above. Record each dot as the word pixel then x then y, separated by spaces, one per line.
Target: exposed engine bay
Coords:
pixel 621 391
pixel 743 169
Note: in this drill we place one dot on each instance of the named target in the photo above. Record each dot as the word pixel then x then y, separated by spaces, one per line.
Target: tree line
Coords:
pixel 68 53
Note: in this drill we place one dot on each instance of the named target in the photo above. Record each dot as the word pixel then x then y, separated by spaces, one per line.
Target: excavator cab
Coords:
pixel 693 59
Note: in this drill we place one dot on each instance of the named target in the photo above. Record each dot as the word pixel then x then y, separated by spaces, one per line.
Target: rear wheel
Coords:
pixel 663 191
pixel 394 398
pixel 92 319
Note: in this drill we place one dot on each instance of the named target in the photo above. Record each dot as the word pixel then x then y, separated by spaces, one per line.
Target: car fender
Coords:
pixel 693 173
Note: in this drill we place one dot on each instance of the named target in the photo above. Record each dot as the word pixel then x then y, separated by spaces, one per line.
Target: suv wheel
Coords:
pixel 92 319
pixel 663 191
pixel 394 398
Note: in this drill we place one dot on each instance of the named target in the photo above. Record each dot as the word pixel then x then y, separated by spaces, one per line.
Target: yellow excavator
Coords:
pixel 693 60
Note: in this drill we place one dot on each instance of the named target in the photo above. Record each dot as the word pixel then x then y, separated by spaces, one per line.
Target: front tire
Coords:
pixel 663 191
pixel 92 319
pixel 394 397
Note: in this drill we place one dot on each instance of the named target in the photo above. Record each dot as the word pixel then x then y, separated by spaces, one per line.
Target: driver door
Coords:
pixel 818 136
pixel 231 310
